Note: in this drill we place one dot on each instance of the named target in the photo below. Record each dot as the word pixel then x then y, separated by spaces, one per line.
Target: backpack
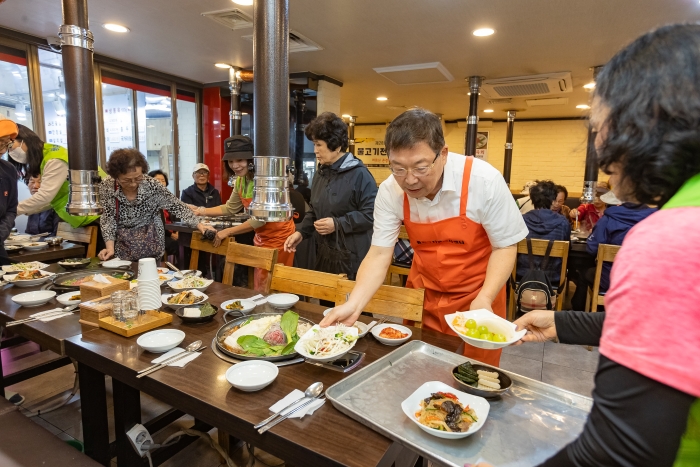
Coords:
pixel 535 292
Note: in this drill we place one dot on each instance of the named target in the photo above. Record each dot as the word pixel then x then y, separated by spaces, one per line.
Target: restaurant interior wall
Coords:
pixel 215 107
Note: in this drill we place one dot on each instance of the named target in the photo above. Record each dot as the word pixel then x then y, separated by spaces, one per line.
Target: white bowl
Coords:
pixel 35 246
pixel 163 270
pixel 248 306
pixel 161 340
pixel 175 306
pixel 178 287
pixel 252 375
pixel 412 405
pixel 492 321
pixel 301 350
pixel 40 297
pixel 283 300
pixel 27 283
pixel 181 274
pixel 24 266
pixel 379 327
pixel 64 299
pixel 116 263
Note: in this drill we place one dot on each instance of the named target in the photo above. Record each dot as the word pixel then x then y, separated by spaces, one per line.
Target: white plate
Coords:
pixel 283 300
pixel 161 340
pixel 35 246
pixel 252 375
pixel 361 327
pixel 64 299
pixel 412 405
pixel 24 266
pixel 379 327
pixel 40 297
pixel 27 283
pixel 13 247
pixel 181 274
pixel 301 350
pixel 248 306
pixel 116 263
pixel 495 323
pixel 19 238
pixel 177 285
pixel 163 271
pixel 202 298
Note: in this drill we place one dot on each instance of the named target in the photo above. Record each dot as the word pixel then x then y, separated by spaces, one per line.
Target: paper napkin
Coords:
pixel 291 397
pixel 171 353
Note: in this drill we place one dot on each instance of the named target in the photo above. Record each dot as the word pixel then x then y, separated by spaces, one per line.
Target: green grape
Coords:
pixel 471 324
pixel 473 333
pixel 499 338
pixel 483 330
pixel 486 336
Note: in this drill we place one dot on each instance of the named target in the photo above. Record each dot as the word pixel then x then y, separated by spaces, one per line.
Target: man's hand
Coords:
pixel 540 326
pixel 290 245
pixel 105 254
pixel 344 313
pixel 481 302
pixel 325 226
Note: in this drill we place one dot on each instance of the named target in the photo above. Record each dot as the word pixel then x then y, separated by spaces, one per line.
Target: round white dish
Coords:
pixel 248 306
pixel 283 300
pixel 181 274
pixel 116 263
pixel 301 349
pixel 362 328
pixel 13 247
pixel 495 324
pixel 27 283
pixel 64 299
pixel 179 287
pixel 175 306
pixel 39 297
pixel 163 270
pixel 35 246
pixel 161 340
pixel 480 405
pixel 379 327
pixel 252 375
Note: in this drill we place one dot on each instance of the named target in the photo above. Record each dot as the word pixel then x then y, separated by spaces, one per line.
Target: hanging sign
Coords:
pixel 371 152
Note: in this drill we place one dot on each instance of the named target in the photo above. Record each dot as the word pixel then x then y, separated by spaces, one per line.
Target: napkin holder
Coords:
pixel 92 311
pixel 92 290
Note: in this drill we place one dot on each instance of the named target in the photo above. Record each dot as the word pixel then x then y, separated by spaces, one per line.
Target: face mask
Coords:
pixel 18 154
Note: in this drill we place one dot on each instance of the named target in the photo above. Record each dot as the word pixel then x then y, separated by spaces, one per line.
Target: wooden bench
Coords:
pixel 397 302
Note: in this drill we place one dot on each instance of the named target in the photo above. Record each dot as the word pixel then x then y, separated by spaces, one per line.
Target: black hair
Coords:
pixel 562 189
pixel 35 154
pixel 153 174
pixel 330 128
pixel 123 161
pixel 412 127
pixel 651 90
pixel 543 194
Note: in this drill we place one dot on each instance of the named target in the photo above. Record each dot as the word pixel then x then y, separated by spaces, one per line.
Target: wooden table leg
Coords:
pixel 127 413
pixel 93 408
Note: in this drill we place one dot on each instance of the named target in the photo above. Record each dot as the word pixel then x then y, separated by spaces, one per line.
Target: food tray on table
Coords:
pixel 525 426
pixel 151 319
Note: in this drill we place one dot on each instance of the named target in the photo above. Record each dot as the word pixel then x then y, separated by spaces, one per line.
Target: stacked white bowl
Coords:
pixel 149 285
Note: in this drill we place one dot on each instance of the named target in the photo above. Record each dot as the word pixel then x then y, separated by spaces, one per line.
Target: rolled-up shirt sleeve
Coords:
pixel 54 176
pixel 387 220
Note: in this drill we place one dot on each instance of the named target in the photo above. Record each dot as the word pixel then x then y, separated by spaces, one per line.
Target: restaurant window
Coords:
pixel 53 91
pixel 156 132
pixel 14 87
pixel 117 117
pixel 187 136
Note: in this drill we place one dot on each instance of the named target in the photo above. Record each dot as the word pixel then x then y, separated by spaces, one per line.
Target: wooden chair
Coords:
pixel 606 253
pixel 560 249
pixel 197 244
pixel 397 302
pixel 305 282
pixel 81 235
pixel 253 257
pixel 401 271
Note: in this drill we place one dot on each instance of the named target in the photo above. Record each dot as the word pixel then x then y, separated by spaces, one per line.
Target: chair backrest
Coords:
pixel 606 254
pixel 251 256
pixel 321 285
pixel 403 234
pixel 198 244
pixel 81 235
pixel 397 302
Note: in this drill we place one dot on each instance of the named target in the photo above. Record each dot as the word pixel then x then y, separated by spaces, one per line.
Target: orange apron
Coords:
pixel 450 262
pixel 271 235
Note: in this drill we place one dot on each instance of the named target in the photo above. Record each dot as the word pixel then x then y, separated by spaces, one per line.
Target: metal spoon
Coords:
pixel 311 392
pixel 193 347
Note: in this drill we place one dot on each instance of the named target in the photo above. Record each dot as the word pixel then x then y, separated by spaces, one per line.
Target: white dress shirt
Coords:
pixel 490 204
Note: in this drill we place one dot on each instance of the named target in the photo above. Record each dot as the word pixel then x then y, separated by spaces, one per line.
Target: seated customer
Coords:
pixel 44 221
pixel 544 224
pixel 525 203
pixel 559 205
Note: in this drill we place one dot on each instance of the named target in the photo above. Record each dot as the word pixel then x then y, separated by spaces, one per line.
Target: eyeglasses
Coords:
pixel 416 171
pixel 130 181
pixel 201 172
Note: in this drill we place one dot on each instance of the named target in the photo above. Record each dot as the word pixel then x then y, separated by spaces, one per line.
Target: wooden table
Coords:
pixel 328 438
pixel 51 253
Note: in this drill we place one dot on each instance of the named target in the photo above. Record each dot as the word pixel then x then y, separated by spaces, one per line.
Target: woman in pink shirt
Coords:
pixel 646 113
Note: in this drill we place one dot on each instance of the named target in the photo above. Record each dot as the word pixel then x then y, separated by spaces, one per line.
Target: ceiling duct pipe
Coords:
pixel 234 85
pixel 351 134
pixel 271 110
pixel 590 177
pixel 473 118
pixel 508 159
pixel 300 107
pixel 78 71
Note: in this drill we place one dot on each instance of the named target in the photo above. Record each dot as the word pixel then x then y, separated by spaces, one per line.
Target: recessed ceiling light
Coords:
pixel 381 98
pixel 590 85
pixel 488 111
pixel 115 27
pixel 243 2
pixel 583 106
pixel 346 116
pixel 222 65
pixel 483 32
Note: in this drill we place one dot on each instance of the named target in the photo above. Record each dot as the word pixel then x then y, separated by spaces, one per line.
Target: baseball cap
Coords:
pixel 8 128
pixel 200 166
pixel 238 147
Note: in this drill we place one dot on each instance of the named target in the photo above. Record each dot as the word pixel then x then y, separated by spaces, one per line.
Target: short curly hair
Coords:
pixel 543 194
pixel 123 161
pixel 330 128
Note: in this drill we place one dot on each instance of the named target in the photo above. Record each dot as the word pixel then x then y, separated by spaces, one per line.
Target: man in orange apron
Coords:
pixel 462 222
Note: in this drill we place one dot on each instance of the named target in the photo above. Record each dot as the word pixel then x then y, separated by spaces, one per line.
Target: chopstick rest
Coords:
pixel 291 397
pixel 179 363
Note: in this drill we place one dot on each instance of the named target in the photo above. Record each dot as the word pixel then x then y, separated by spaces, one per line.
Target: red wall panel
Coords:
pixel 215 131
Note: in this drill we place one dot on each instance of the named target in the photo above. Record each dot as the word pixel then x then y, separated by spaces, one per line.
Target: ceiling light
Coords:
pixel 243 2
pixel 589 86
pixel 347 116
pixel 222 65
pixel 583 106
pixel 488 111
pixel 115 27
pixel 381 98
pixel 483 32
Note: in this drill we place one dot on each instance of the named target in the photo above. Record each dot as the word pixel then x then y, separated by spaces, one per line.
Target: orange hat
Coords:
pixel 8 128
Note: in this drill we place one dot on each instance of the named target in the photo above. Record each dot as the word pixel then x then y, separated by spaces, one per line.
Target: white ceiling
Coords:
pixel 532 36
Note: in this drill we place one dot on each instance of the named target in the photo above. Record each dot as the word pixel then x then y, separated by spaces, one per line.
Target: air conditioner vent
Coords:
pixel 297 42
pixel 232 18
pixel 507 100
pixel 524 86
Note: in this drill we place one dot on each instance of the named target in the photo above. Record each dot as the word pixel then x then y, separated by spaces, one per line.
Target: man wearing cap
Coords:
pixel 201 193
pixel 238 158
pixel 8 187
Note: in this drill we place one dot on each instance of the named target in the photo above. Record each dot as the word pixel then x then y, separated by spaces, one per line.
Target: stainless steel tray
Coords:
pixel 525 426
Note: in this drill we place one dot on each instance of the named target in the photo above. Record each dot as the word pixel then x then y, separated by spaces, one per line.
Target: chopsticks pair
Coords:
pixel 68 309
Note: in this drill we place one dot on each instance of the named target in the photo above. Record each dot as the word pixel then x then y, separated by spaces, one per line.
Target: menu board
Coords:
pixel 482 145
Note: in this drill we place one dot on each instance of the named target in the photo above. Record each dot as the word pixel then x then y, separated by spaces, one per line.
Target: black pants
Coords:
pixel 583 282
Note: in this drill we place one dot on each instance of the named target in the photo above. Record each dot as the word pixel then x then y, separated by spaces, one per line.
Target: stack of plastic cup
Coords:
pixel 149 285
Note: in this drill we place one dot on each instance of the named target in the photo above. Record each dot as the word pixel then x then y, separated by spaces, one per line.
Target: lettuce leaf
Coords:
pixel 289 325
